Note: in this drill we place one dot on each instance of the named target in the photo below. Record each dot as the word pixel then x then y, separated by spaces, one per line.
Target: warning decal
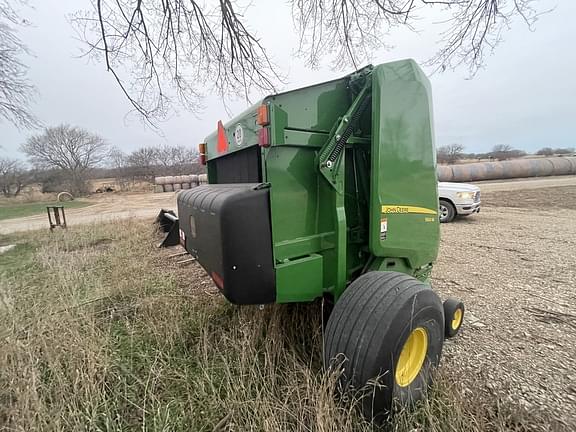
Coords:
pixel 383 228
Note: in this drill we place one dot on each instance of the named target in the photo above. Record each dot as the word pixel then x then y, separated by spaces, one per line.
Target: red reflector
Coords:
pixel 218 280
pixel 262 117
pixel 222 140
pixel 264 137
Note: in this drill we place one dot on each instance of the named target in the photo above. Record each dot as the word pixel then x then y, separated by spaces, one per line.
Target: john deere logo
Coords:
pixel 402 209
pixel 238 135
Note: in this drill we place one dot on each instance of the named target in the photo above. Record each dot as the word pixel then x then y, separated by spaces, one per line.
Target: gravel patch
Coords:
pixel 514 266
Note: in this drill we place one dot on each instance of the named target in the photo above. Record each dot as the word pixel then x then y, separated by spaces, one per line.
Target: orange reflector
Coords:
pixel 222 145
pixel 202 151
pixel 262 118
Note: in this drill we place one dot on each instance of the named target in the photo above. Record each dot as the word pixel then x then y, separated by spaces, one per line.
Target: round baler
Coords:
pixel 330 192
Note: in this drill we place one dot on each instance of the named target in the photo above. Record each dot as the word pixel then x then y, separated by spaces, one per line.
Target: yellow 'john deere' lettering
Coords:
pixel 402 209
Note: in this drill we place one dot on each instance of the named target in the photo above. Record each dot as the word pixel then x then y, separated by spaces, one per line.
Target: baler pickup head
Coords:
pixel 168 223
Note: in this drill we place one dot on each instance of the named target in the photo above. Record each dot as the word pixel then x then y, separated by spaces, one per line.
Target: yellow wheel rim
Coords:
pixel 412 357
pixel 456 319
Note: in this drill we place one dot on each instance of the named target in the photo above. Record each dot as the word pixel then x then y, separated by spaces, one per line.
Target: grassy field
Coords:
pixel 11 211
pixel 100 331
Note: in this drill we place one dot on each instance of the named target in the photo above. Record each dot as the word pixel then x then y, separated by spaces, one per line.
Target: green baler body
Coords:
pixel 381 213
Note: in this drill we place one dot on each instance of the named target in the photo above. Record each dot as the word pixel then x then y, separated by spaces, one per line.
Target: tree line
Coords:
pixel 67 157
pixel 452 153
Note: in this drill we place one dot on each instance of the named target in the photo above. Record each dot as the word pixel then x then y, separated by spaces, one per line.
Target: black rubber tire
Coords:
pixel 366 333
pixel 451 305
pixel 451 211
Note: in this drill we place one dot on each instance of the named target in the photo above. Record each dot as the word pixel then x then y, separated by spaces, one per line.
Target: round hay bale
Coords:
pixel 168 188
pixel 185 185
pixel 516 168
pixel 464 172
pixel 444 173
pixel 542 167
pixel 493 170
pixel 562 166
pixel 65 196
pixel 573 163
pixel 177 186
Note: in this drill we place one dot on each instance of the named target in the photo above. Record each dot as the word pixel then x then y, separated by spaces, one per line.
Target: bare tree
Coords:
pixel 166 159
pixel 564 151
pixel 450 153
pixel 160 52
pixel 117 158
pixel 505 151
pixel 177 157
pixel 16 92
pixel 73 150
pixel 119 163
pixel 546 151
pixel 143 163
pixel 13 177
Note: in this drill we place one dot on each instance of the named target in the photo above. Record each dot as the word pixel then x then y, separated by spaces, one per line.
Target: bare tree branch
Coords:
pixel 167 52
pixel 16 92
pixel 164 53
pixel 349 31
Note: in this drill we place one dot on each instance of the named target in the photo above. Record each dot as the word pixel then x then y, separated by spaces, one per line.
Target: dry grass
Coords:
pixel 97 332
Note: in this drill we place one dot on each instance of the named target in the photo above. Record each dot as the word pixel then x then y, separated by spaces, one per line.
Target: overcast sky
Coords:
pixel 525 97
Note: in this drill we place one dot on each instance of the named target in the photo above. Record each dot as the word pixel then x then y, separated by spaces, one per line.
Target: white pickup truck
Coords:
pixel 457 199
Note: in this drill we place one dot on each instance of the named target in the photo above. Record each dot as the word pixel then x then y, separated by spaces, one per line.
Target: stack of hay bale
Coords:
pixel 517 168
pixel 175 183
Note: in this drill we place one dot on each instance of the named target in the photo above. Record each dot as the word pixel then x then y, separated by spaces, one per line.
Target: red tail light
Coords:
pixel 202 151
pixel 264 137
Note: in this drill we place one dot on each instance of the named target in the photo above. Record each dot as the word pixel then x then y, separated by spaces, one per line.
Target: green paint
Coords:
pixel 326 221
pixel 300 279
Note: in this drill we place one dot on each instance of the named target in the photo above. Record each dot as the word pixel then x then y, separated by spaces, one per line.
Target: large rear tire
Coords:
pixel 386 326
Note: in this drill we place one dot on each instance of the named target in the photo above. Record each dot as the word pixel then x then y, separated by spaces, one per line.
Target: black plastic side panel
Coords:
pixel 227 228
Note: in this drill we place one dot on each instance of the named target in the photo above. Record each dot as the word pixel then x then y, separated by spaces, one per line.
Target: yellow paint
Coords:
pixel 402 209
pixel 412 357
pixel 429 219
pixel 456 319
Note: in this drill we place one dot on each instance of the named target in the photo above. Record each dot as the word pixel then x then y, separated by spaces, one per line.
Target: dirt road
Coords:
pixel 529 183
pixel 108 207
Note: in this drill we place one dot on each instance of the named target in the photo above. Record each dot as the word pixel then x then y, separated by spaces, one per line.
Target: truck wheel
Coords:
pixel 446 211
pixel 453 316
pixel 386 326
